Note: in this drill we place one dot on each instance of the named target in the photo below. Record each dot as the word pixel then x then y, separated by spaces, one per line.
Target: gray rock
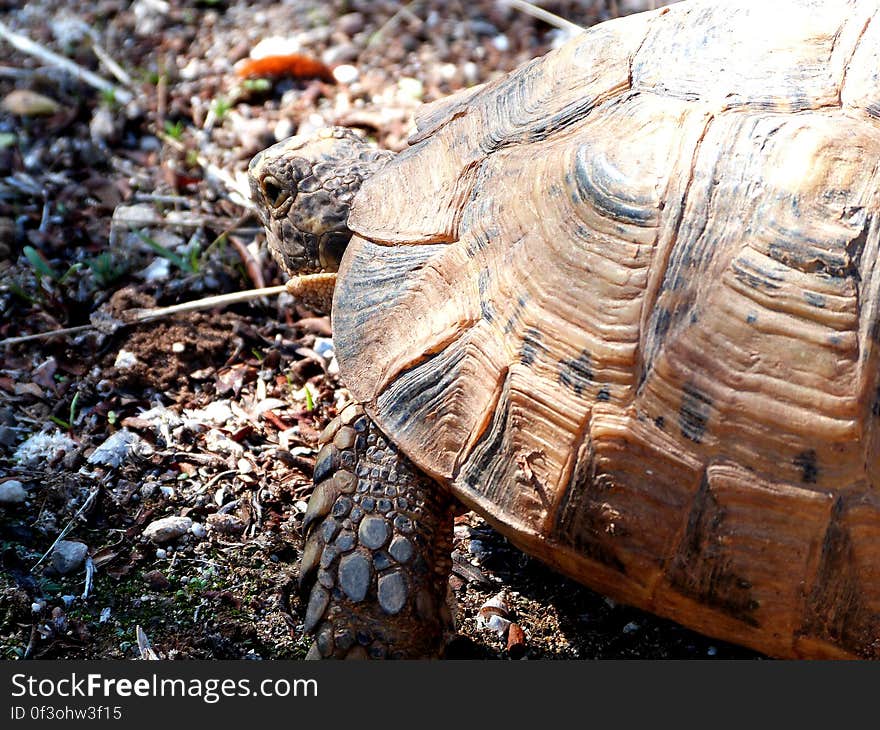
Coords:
pixel 68 555
pixel 392 592
pixel 167 529
pixel 373 532
pixel 351 23
pixel 12 492
pixel 354 576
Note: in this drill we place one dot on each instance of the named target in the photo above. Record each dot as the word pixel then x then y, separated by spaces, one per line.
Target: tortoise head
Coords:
pixel 303 188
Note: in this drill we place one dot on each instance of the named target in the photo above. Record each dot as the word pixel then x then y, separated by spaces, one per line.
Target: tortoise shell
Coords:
pixel 624 303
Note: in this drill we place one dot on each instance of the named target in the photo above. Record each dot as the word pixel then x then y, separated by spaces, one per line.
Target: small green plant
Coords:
pixel 44 269
pixel 108 98
pixel 221 107
pixel 189 265
pixel 174 129
pixel 39 263
pixel 106 268
pixel 68 425
pixel 310 402
pixel 260 85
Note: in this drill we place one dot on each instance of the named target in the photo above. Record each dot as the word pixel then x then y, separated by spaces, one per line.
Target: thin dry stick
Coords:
pixel 69 526
pixel 544 15
pixel 26 45
pixel 120 73
pixel 388 26
pixel 296 285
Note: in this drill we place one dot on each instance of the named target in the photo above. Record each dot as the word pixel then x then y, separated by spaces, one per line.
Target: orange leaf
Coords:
pixel 295 65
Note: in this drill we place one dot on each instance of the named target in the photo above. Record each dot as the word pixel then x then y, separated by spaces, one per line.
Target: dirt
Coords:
pixel 225 406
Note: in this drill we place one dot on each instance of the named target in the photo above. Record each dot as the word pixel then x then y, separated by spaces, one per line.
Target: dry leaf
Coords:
pixel 26 103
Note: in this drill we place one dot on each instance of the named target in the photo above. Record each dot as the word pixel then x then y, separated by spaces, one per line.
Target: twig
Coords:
pixel 147 315
pixel 120 73
pixel 544 15
pixel 391 22
pixel 137 316
pixel 68 526
pixel 26 45
pixel 44 335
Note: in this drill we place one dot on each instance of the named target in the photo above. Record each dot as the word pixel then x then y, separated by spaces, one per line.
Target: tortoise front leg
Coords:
pixel 378 543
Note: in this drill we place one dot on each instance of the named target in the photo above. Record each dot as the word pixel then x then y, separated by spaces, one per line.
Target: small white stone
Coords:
pixel 447 71
pixel 346 73
pixel 167 492
pixel 501 42
pixel 157 270
pixel 411 87
pixel 178 347
pixel 283 129
pixel 12 492
pixel 167 529
pixel 471 72
pixel 161 554
pixel 198 530
pixel 125 360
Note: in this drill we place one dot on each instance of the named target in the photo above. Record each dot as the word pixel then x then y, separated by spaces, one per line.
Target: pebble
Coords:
pixel 346 73
pixel 157 580
pixel 283 129
pixel 161 553
pixel 167 529
pixel 198 530
pixel 631 627
pixel 501 42
pixel 68 555
pixel 350 23
pixel 125 360
pixel 12 492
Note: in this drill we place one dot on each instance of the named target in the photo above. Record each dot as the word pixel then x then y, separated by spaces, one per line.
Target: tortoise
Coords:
pixel 624 303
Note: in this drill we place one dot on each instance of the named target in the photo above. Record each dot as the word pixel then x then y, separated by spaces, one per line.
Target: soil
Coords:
pixel 220 410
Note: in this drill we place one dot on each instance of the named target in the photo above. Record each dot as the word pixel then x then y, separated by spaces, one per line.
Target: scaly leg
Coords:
pixel 378 543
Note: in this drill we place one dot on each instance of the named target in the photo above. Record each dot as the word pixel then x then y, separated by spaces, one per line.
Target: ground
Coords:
pixel 111 204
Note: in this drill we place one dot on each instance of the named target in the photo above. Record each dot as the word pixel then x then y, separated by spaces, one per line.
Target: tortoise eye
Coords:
pixel 275 194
